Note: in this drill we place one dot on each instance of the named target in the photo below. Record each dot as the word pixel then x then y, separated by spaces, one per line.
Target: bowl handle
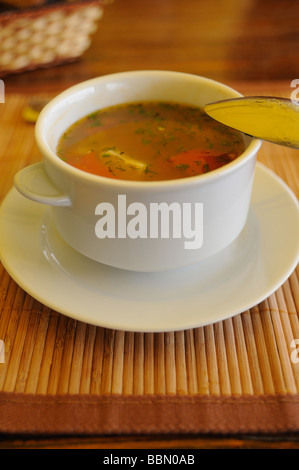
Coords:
pixel 34 183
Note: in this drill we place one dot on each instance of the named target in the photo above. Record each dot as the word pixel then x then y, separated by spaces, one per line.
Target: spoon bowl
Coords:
pixel 264 117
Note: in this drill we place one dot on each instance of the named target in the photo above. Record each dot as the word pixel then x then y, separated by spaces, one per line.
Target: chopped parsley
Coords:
pixel 182 166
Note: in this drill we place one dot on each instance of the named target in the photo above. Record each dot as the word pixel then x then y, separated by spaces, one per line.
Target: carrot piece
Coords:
pixel 198 161
pixel 92 164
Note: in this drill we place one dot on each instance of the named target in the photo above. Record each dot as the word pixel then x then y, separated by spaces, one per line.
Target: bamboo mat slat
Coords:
pixel 48 354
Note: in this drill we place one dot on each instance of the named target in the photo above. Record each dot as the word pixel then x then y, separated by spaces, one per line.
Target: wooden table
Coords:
pixel 251 46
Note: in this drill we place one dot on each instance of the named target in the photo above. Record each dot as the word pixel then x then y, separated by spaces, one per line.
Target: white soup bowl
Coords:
pixel 221 197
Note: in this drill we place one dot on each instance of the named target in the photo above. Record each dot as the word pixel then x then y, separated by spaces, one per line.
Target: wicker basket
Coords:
pixel 46 35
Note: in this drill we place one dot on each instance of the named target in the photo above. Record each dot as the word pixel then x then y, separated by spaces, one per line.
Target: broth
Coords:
pixel 149 141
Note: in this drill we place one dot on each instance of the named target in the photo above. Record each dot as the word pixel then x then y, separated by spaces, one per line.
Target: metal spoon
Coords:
pixel 264 117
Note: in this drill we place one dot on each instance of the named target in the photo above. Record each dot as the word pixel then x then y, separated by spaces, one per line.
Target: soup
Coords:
pixel 149 141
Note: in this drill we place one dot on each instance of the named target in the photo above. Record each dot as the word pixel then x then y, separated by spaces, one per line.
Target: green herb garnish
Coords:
pixel 182 166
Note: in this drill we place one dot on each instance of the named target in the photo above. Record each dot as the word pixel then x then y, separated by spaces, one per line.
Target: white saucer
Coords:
pixel 242 275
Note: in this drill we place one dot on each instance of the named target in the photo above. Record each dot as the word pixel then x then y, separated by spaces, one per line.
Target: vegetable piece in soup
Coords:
pixel 149 141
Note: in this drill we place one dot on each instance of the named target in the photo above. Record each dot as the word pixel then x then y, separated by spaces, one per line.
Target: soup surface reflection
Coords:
pixel 148 141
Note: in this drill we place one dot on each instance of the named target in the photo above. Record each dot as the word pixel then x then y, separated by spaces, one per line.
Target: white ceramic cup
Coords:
pixel 223 194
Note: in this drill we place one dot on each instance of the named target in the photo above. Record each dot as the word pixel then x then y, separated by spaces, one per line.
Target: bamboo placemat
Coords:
pixel 64 376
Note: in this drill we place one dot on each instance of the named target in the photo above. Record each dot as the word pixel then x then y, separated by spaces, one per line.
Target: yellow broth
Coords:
pixel 149 141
